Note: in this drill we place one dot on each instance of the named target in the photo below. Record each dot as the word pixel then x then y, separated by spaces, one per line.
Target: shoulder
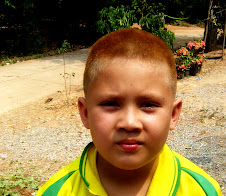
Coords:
pixel 195 180
pixel 58 179
pixel 72 179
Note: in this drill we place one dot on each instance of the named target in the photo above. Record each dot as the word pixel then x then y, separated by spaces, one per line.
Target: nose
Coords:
pixel 129 120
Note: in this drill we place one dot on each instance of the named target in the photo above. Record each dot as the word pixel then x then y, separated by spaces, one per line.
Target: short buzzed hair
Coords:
pixel 130 44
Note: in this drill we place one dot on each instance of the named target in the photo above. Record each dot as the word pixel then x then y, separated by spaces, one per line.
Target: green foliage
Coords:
pixel 19 28
pixel 143 8
pixel 8 3
pixel 66 46
pixel 167 36
pixel 112 19
pixel 28 26
pixel 155 24
pixel 150 19
pixel 5 60
pixel 10 184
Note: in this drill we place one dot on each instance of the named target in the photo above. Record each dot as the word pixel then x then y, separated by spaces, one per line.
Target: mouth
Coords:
pixel 129 144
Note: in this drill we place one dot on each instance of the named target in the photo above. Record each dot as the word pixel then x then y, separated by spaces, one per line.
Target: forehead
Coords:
pixel 139 76
pixel 123 65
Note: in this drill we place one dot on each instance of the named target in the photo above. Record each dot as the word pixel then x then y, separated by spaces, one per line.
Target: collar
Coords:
pixel 167 175
pixel 88 171
pixel 165 180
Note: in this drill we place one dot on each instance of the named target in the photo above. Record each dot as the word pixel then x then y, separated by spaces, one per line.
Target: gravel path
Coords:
pixel 48 135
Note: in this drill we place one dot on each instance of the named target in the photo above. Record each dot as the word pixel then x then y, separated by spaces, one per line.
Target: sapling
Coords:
pixel 66 46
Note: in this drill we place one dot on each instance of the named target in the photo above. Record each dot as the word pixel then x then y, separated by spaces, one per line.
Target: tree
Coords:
pixel 19 27
pixel 214 21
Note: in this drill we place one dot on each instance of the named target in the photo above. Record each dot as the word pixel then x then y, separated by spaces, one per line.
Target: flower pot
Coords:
pixel 187 73
pixel 199 69
pixel 180 74
pixel 193 70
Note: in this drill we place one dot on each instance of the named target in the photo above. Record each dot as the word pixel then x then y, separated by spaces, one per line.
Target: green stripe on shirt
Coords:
pixel 55 187
pixel 203 182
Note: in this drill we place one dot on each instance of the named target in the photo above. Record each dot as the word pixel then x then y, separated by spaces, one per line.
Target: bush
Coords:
pixel 112 19
pixel 155 24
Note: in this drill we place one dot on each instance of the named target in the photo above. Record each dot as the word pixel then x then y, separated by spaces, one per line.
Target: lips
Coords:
pixel 129 144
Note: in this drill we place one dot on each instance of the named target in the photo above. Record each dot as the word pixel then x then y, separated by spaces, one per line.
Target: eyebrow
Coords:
pixel 145 96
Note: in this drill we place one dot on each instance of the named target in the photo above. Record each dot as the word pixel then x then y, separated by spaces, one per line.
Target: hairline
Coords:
pixel 102 63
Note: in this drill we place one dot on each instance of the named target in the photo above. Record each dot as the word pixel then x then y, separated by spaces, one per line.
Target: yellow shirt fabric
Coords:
pixel 174 176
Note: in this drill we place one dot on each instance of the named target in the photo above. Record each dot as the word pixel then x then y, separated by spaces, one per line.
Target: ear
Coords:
pixel 83 111
pixel 177 105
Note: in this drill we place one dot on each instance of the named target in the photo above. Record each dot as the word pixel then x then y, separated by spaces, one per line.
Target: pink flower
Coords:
pixel 183 51
pixel 203 43
pixel 197 46
pixel 182 67
pixel 189 45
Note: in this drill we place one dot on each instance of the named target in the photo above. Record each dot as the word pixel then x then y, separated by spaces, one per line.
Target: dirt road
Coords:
pixel 185 34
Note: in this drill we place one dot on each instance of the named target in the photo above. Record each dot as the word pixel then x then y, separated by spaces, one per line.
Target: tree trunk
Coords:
pixel 210 34
pixel 207 21
pixel 211 40
pixel 224 34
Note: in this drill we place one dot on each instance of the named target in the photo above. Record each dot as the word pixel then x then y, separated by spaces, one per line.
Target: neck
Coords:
pixel 126 182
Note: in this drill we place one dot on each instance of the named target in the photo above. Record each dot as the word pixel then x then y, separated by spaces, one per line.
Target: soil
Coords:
pixel 55 110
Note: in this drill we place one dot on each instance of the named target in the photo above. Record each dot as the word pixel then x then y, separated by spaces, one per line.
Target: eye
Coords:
pixel 148 106
pixel 110 104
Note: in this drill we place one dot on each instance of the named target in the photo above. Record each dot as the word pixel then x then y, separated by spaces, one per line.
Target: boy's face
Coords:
pixel 129 110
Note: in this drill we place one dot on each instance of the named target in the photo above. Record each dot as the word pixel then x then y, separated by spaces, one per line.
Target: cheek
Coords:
pixel 102 132
pixel 100 124
pixel 156 135
pixel 157 125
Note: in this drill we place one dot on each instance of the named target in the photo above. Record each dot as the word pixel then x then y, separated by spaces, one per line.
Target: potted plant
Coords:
pixel 196 51
pixel 191 57
pixel 182 61
pixel 180 71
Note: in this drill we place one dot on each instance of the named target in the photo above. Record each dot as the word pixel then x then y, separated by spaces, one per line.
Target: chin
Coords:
pixel 128 166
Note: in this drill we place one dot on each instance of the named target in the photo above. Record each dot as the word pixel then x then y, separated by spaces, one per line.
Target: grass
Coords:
pixel 19 183
pixel 5 60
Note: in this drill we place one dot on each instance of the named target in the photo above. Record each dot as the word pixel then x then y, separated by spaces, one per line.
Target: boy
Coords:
pixel 129 107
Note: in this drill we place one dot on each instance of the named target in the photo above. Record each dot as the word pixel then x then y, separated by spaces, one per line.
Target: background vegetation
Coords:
pixel 34 26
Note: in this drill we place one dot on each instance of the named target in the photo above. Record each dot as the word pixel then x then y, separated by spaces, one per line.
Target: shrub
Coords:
pixel 112 19
pixel 155 24
pixel 191 56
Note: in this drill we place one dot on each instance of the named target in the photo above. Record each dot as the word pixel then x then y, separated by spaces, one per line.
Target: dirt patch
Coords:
pixel 183 29
pixel 185 34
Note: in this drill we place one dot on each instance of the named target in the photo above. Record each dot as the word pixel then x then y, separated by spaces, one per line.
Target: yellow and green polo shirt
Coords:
pixel 174 176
